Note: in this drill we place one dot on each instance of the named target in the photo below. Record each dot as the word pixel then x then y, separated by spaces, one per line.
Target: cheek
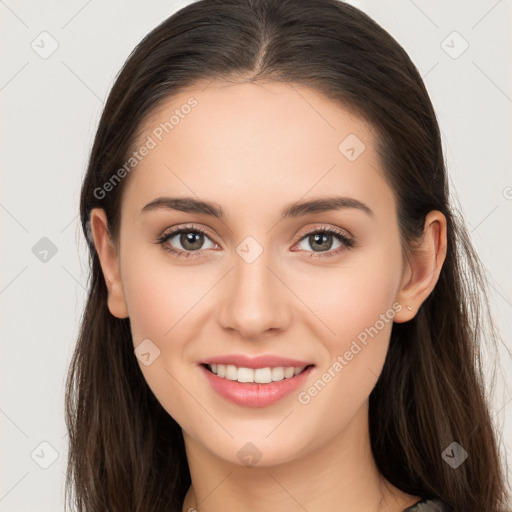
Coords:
pixel 354 296
pixel 158 295
pixel 357 304
pixel 354 358
pixel 360 314
pixel 161 300
pixel 150 306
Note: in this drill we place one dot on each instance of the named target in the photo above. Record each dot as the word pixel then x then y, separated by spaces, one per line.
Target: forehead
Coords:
pixel 240 142
pixel 253 114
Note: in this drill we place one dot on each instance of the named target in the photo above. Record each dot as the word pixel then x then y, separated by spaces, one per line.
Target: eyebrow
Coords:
pixel 293 210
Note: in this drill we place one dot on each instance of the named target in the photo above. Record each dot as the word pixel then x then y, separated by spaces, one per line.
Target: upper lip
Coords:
pixel 268 361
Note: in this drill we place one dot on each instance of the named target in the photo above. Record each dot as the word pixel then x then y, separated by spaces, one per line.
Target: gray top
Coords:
pixel 428 506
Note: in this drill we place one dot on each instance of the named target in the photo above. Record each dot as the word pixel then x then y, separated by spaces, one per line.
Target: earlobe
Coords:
pixel 423 267
pixel 109 261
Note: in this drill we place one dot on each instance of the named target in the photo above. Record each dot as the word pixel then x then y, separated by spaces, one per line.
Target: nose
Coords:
pixel 254 300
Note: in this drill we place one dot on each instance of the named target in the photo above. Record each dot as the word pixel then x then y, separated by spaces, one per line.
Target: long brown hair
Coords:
pixel 126 453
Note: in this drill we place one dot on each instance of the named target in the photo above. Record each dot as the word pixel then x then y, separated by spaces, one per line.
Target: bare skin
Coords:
pixel 254 149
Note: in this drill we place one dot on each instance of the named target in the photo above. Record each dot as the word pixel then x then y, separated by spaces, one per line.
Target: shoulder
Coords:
pixel 433 505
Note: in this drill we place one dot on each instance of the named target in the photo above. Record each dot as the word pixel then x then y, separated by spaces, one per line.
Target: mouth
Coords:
pixel 265 375
pixel 255 387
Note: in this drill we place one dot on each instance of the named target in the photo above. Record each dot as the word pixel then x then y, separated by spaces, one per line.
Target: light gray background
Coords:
pixel 50 108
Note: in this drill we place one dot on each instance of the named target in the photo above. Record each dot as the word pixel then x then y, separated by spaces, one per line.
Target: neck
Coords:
pixel 339 476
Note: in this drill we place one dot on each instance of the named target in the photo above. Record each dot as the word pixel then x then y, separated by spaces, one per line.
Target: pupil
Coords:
pixel 191 240
pixel 321 239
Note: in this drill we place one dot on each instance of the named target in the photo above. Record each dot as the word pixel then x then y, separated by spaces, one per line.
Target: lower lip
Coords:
pixel 251 394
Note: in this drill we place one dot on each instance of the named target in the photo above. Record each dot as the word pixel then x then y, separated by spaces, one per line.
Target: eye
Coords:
pixel 190 238
pixel 321 240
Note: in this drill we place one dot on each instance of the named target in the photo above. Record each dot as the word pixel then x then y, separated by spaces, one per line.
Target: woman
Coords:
pixel 282 312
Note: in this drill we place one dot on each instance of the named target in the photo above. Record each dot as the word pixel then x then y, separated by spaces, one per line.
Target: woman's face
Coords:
pixel 265 278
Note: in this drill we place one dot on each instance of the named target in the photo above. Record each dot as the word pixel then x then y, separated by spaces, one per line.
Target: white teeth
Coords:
pixel 289 372
pixel 263 375
pixel 231 372
pixel 277 373
pixel 258 375
pixel 245 375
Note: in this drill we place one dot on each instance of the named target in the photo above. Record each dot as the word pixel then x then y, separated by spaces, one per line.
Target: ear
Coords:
pixel 108 256
pixel 423 266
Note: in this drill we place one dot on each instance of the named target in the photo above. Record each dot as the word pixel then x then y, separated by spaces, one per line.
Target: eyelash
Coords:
pixel 347 242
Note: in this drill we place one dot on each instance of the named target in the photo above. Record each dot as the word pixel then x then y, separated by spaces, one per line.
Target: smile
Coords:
pixel 258 375
pixel 255 387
